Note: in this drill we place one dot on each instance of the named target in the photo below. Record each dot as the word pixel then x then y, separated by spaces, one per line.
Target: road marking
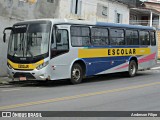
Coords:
pixel 155 68
pixel 10 90
pixel 76 96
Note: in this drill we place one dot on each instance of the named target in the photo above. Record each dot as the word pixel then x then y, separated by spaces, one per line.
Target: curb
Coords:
pixel 4 81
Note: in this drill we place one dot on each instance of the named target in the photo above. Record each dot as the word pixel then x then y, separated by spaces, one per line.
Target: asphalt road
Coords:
pixel 113 92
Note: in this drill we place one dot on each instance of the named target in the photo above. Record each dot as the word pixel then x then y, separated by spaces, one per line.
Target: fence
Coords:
pixel 155 23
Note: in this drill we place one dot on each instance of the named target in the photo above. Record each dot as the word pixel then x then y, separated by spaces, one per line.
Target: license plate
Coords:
pixel 23 66
pixel 22 78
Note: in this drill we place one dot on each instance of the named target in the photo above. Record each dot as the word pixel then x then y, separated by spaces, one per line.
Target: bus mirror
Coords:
pixel 4 34
pixel 4 37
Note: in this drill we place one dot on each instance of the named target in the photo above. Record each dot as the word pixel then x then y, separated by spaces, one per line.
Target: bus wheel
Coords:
pixel 132 70
pixel 76 74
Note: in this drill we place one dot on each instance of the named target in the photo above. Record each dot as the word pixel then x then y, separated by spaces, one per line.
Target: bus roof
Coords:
pixel 83 22
pixel 125 26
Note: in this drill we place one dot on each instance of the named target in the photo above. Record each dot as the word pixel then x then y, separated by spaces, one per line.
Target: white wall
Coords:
pixel 5 22
pixel 120 8
pixel 11 12
pixel 91 12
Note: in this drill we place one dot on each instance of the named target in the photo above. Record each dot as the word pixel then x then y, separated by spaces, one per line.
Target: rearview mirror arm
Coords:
pixel 4 34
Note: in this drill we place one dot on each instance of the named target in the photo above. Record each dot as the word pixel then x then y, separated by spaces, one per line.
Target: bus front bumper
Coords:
pixel 18 75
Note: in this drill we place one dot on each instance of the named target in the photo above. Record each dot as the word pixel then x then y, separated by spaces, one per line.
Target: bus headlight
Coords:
pixel 42 65
pixel 10 67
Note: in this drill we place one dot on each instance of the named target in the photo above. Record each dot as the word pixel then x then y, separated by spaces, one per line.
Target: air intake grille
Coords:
pixel 27 75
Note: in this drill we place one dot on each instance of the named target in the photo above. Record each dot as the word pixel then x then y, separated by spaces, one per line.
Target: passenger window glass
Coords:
pixel 53 43
pixel 132 37
pixel 117 37
pixel 153 38
pixel 144 37
pixel 80 36
pixel 62 40
pixel 99 36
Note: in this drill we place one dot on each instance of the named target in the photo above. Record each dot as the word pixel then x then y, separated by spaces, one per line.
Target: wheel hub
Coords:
pixel 76 74
pixel 133 69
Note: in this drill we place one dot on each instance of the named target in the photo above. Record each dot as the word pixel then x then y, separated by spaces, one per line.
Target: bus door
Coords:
pixel 59 51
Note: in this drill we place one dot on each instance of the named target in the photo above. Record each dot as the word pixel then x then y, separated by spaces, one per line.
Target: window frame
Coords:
pixel 54 52
pixel 104 10
pixel 137 36
pixel 67 39
pixel 140 41
pixel 80 36
pixel 119 17
pixel 100 36
pixel 155 43
pixel 76 7
pixel 110 37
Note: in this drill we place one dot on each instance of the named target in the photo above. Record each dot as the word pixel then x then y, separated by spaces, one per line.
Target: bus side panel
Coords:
pixel 102 65
pixel 105 65
pixel 61 65
pixel 148 61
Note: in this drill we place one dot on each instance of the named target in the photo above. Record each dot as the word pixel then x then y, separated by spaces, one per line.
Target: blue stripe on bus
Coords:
pixel 97 65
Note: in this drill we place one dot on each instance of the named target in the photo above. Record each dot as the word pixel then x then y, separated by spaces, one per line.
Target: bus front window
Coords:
pixel 16 44
pixel 31 42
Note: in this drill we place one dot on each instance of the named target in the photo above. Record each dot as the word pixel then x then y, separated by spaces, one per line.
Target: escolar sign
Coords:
pixel 112 52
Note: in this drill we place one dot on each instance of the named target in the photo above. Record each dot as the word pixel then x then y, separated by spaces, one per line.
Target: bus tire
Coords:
pixel 132 69
pixel 76 74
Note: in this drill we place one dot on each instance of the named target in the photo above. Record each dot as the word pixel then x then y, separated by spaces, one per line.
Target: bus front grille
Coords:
pixel 27 75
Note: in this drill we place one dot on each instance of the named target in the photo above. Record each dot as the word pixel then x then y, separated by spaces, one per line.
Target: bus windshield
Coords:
pixel 29 40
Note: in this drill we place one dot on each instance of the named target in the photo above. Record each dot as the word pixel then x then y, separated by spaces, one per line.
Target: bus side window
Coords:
pixel 132 37
pixel 99 36
pixel 62 40
pixel 117 37
pixel 53 43
pixel 58 37
pixel 80 36
pixel 144 37
pixel 153 38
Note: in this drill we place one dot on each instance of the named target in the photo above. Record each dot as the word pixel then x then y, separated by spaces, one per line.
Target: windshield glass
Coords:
pixel 29 40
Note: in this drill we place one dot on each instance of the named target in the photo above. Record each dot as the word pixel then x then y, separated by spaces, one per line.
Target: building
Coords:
pixel 96 10
pixel 148 14
pixel 11 11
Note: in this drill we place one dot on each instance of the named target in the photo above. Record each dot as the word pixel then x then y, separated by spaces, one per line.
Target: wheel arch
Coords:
pixel 135 59
pixel 82 64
